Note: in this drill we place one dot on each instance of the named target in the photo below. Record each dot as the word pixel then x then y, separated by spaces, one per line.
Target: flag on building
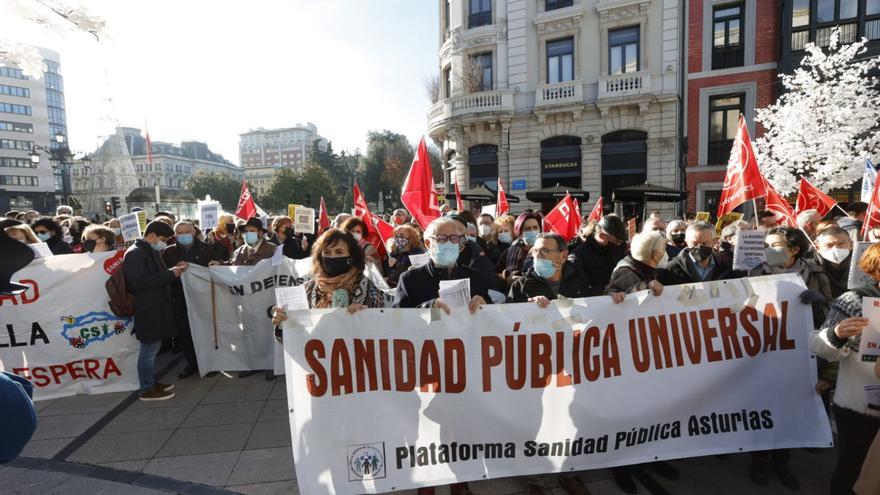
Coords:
pixel 812 198
pixel 418 194
pixel 501 206
pixel 743 181
pixel 559 220
pixel 868 179
pixel 598 210
pixel 246 208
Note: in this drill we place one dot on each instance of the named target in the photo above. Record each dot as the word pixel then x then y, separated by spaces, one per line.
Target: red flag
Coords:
pixel 418 194
pixel 502 206
pixel 559 219
pixel 779 206
pixel 384 229
pixel 575 218
pixel 743 181
pixel 323 218
pixel 362 211
pixel 246 207
pixel 459 205
pixel 872 218
pixel 810 197
pixel 598 210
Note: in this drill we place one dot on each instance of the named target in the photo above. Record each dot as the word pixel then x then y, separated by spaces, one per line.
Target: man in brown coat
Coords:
pixel 255 248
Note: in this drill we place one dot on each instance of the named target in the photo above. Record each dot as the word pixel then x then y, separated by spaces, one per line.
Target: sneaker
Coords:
pixel 759 472
pixel 788 479
pixel 573 485
pixel 167 387
pixel 624 480
pixel 156 394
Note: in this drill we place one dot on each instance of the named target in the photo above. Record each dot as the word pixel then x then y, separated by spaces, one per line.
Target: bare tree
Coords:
pixel 471 75
pixel 432 88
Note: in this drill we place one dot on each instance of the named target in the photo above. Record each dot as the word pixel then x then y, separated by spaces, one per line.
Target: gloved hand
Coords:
pixel 811 296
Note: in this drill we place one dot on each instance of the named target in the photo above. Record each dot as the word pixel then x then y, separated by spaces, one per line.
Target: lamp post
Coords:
pixel 59 154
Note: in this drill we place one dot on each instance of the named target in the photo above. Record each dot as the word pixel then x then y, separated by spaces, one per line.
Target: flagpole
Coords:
pixel 755 206
pixel 837 205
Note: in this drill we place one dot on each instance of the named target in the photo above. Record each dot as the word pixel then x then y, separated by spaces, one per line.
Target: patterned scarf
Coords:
pixel 326 285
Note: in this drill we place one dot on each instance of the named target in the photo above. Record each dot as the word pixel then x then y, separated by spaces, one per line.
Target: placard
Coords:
pixel 488 210
pixel 857 277
pixel 748 251
pixel 726 220
pixel 869 345
pixel 291 210
pixel 131 227
pixel 703 216
pixel 209 214
pixel 142 219
pixel 304 220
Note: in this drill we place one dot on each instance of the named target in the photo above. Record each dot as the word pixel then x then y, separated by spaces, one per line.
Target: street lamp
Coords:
pixel 59 154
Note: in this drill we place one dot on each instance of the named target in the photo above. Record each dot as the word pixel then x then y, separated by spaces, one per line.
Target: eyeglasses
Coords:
pixel 544 251
pixel 442 239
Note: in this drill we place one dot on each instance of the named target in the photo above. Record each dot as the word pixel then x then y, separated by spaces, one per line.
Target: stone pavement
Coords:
pixel 222 435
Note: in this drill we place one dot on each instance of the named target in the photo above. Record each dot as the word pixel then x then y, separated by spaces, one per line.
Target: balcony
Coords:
pixel 625 85
pixel 564 93
pixel 470 107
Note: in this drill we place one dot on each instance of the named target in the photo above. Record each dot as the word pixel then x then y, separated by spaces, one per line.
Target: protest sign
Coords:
pixel 41 249
pixel 390 399
pixel 291 210
pixel 748 249
pixel 130 226
pixel 142 219
pixel 702 216
pixel 488 210
pixel 727 219
pixel 857 278
pixel 869 342
pixel 209 214
pixel 60 333
pixel 304 220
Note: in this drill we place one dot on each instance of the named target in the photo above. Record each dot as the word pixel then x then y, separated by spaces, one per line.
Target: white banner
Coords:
pixel 229 312
pixel 60 332
pixel 396 399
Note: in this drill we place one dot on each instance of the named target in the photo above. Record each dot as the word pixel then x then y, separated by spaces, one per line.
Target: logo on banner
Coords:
pixel 366 461
pixel 80 331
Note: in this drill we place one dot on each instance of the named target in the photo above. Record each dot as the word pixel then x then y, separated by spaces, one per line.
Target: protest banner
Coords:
pixel 304 220
pixel 395 399
pixel 869 341
pixel 209 214
pixel 858 278
pixel 291 210
pixel 748 249
pixel 131 227
pixel 60 333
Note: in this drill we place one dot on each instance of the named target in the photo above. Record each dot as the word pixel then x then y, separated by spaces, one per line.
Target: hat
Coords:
pixel 252 222
pixel 613 225
pixel 13 257
pixel 521 219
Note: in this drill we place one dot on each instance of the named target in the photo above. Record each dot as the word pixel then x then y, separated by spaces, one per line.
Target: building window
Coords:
pixel 480 13
pixel 13 73
pixel 624 163
pixel 447 82
pixel 447 9
pixel 724 111
pixel 557 4
pixel 16 127
pixel 18 180
pixel 727 44
pixel 561 162
pixel 483 165
pixel 560 60
pixel 483 63
pixel 16 162
pixel 14 91
pixel 14 144
pixel 16 109
pixel 623 50
pixel 54 98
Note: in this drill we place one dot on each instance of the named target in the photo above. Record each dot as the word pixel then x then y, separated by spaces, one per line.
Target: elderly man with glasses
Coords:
pixel 551 274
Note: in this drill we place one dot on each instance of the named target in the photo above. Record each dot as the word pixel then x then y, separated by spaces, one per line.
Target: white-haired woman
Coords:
pixel 675 231
pixel 637 271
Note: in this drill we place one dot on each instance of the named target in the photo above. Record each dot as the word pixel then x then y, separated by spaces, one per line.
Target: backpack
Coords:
pixel 121 301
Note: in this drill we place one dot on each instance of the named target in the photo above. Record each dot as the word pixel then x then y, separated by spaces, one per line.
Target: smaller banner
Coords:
pixel 702 216
pixel 726 220
pixel 304 220
pixel 869 345
pixel 291 210
pixel 142 219
pixel 131 227
pixel 748 249
pixel 209 214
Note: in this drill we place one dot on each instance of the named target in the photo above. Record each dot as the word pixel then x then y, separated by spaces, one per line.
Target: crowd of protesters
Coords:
pixel 510 259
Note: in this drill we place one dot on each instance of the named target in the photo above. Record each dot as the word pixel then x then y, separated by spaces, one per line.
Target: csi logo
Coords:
pixel 366 462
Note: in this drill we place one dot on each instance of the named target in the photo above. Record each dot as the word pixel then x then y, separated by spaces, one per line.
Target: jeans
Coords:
pixel 147 364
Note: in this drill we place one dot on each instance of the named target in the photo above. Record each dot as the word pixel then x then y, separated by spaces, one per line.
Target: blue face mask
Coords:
pixel 471 238
pixel 445 254
pixel 505 237
pixel 251 238
pixel 544 268
pixel 530 237
pixel 185 239
pixel 44 236
pixel 159 245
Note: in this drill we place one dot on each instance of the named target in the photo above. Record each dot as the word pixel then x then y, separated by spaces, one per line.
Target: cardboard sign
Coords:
pixel 304 220
pixel 209 214
pixel 726 220
pixel 131 226
pixel 869 346
pixel 488 210
pixel 748 249
pixel 703 216
pixel 857 277
pixel 291 210
pixel 142 220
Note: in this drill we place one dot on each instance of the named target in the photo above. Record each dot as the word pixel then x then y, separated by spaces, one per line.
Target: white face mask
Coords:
pixel 357 236
pixel 485 230
pixel 834 255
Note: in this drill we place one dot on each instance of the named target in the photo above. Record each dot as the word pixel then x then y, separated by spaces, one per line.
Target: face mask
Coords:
pixel 159 245
pixel 44 236
pixel 776 256
pixel 701 253
pixel 834 255
pixel 68 239
pixel 251 237
pixel 445 254
pixel 677 239
pixel 530 237
pixel 336 266
pixel 471 238
pixel 505 237
pixel 402 242
pixel 544 268
pixel 185 239
pixel 484 230
pixel 117 231
pixel 230 228
pixel 89 245
pixel 357 236
pixel 398 221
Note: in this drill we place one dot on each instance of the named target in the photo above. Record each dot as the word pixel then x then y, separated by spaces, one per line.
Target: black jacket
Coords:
pixel 838 274
pixel 597 262
pixel 151 284
pixel 631 275
pixel 678 271
pixel 418 287
pixel 471 256
pixel 292 245
pixel 199 253
pixel 58 246
pixel 573 284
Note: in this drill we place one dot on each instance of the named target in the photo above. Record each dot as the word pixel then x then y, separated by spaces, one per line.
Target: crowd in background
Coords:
pixel 510 259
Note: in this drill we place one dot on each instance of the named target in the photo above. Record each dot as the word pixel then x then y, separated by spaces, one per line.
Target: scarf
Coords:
pixel 326 285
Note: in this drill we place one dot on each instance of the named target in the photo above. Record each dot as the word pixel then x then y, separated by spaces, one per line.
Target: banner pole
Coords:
pixel 755 206
pixel 837 205
pixel 214 315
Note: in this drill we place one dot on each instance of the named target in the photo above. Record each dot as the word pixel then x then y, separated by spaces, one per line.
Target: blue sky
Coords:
pixel 209 70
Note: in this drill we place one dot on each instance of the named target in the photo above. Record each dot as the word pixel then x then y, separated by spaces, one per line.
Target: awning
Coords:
pixel 483 193
pixel 648 192
pixel 555 193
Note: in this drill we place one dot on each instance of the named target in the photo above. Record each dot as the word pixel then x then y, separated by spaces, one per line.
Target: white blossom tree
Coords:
pixel 825 123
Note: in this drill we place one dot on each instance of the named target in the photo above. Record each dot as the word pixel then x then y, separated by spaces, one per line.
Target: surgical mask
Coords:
pixel 185 239
pixel 117 231
pixel 777 256
pixel 834 255
pixel 89 245
pixel 471 238
pixel 677 238
pixel 44 236
pixel 444 255
pixel 530 237
pixel 357 236
pixel 484 230
pixel 159 245
pixel 701 253
pixel 544 268
pixel 505 237
pixel 251 237
pixel 336 266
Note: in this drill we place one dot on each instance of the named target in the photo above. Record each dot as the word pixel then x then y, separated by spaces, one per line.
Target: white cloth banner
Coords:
pixel 60 333
pixel 395 399
pixel 238 300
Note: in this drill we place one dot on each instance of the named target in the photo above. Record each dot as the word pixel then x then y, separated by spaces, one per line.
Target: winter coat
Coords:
pixel 58 246
pixel 678 271
pixel 150 282
pixel 401 264
pixel 471 256
pixel 814 277
pixel 418 287
pixel 198 253
pixel 513 259
pixel 573 284
pixel 598 262
pixel 838 274
pixel 631 275
pixel 247 256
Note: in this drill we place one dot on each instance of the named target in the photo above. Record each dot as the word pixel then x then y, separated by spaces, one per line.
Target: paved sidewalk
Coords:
pixel 222 435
